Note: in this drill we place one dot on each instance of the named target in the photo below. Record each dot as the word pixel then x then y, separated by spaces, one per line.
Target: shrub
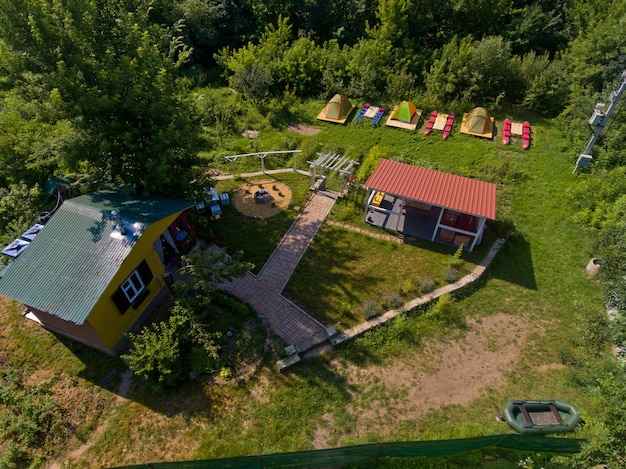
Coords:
pixel 346 212
pixel 370 162
pixel 370 309
pixel 202 361
pixel 455 260
pixel 156 354
pixel 29 419
pixel 229 302
pixel 451 274
pixel 446 310
pixel 226 373
pixel 408 286
pixel 392 300
pixel 427 284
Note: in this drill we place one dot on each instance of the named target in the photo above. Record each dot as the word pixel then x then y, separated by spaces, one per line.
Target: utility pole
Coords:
pixel 598 121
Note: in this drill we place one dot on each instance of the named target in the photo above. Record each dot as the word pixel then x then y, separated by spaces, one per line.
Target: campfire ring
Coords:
pixel 262 196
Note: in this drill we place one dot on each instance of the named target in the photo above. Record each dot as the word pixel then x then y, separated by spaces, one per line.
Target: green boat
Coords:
pixel 537 416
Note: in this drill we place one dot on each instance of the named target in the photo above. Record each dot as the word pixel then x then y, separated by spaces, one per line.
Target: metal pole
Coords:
pixel 607 115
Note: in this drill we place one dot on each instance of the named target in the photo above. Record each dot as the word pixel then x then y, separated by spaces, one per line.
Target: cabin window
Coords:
pixel 133 290
pixel 133 286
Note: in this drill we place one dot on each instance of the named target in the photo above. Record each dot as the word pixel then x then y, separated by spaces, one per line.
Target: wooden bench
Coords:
pixel 378 198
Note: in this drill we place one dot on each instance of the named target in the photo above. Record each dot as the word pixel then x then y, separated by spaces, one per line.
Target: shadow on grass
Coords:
pixel 98 367
pixel 514 263
pixel 188 398
pixel 256 237
pixel 326 281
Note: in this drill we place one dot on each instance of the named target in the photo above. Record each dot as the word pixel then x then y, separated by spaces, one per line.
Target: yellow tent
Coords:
pixel 337 110
pixel 478 122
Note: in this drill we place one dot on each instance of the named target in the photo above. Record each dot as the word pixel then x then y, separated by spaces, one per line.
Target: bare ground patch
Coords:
pixel 304 129
pixel 278 193
pixel 455 372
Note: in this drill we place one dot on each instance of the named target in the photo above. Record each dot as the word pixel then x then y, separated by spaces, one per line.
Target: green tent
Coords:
pixel 338 107
pixel 478 120
pixel 405 112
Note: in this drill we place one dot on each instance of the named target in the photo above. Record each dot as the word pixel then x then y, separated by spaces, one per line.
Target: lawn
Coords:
pixel 433 373
pixel 256 237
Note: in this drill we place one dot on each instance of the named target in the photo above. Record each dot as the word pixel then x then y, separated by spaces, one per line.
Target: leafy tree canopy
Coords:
pixel 104 67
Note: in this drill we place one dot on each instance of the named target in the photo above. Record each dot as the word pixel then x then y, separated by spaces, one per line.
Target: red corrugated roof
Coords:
pixel 434 187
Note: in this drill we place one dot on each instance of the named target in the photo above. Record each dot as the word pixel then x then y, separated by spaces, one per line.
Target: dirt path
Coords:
pixel 454 372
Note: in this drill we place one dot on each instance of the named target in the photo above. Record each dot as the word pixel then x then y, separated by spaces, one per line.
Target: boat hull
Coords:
pixel 538 416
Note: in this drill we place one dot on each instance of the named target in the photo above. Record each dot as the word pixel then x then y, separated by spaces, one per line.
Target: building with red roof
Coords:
pixel 429 204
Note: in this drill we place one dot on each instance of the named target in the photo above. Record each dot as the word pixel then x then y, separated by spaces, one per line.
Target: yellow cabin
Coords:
pixel 95 270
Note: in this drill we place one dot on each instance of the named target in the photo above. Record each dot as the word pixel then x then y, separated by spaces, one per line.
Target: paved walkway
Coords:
pixel 306 335
pixel 263 291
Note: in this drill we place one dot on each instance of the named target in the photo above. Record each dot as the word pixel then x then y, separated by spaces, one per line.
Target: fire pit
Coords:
pixel 262 196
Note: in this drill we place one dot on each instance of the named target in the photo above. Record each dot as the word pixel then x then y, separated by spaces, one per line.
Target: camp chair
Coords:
pixel 362 112
pixel 378 116
pixel 200 207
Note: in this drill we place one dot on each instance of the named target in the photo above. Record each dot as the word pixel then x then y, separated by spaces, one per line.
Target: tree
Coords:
pixel 393 21
pixel 491 67
pixel 162 354
pixel 450 77
pixel 211 25
pixel 242 64
pixel 156 356
pixel 478 18
pixel 253 80
pixel 537 28
pixel 545 83
pixel 607 435
pixel 115 77
pixel 34 138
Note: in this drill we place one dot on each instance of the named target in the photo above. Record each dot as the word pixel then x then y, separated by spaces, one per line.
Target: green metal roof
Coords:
pixel 142 209
pixel 68 265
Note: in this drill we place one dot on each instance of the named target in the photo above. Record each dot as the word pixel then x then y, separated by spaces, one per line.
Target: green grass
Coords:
pixel 342 269
pixel 538 278
pixel 256 237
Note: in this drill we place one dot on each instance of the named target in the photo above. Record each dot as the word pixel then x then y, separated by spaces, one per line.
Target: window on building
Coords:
pixel 133 290
pixel 133 286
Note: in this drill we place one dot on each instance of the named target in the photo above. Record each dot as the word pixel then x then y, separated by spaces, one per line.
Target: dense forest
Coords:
pixel 105 91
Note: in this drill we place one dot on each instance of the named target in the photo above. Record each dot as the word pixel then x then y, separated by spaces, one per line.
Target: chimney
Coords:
pixel 119 221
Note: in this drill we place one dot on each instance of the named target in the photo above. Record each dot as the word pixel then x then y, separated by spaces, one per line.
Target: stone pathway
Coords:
pixel 307 336
pixel 263 292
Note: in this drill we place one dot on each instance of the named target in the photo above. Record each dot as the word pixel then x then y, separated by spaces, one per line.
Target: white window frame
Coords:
pixel 133 286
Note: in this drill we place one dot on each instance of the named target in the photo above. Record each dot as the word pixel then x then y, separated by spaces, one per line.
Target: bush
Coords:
pixel 392 300
pixel 427 284
pixel 346 212
pixel 156 355
pixel 202 361
pixel 370 309
pixel 232 304
pixel 451 274
pixel 446 310
pixel 370 162
pixel 226 373
pixel 30 420
pixel 408 286
pixel 455 261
